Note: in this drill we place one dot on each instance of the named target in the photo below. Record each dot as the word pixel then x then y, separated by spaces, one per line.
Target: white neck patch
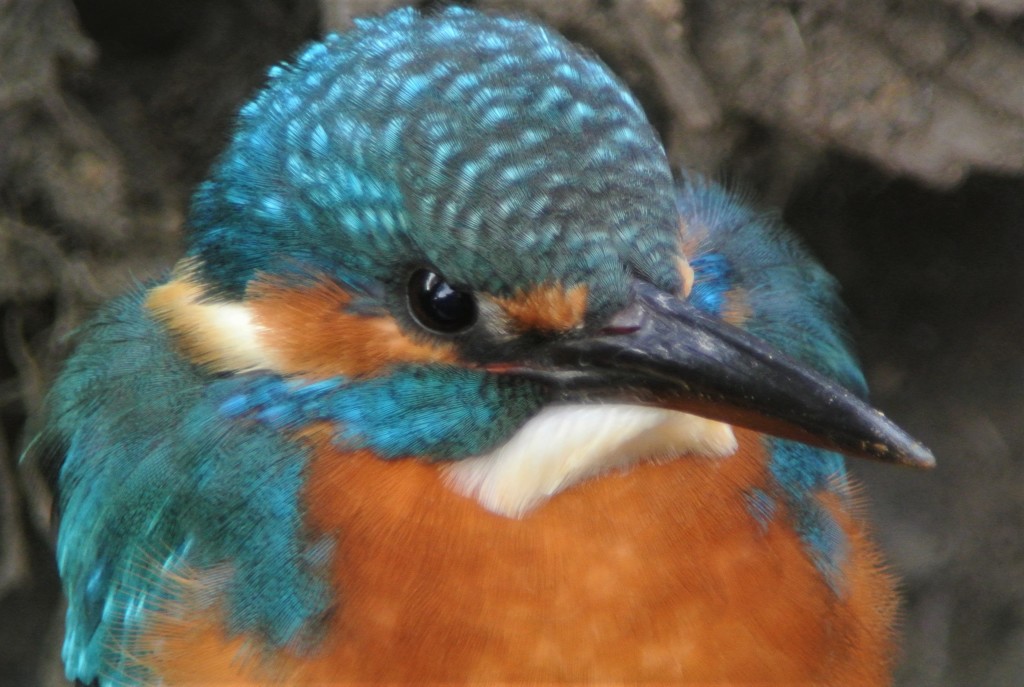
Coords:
pixel 224 337
pixel 565 444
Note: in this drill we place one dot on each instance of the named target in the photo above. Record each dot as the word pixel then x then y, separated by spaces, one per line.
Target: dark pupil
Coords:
pixel 438 306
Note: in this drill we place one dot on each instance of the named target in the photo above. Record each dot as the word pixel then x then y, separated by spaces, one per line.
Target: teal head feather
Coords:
pixel 457 140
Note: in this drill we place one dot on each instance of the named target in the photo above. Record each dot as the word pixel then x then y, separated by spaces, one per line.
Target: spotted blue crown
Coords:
pixel 413 136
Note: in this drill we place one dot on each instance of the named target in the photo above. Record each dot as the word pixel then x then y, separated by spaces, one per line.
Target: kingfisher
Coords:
pixel 458 382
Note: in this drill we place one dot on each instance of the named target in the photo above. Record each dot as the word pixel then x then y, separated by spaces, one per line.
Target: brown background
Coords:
pixel 889 132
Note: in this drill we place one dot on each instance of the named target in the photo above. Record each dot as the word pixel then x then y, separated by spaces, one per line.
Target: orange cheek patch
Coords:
pixel 686 274
pixel 736 310
pixel 310 332
pixel 688 245
pixel 547 308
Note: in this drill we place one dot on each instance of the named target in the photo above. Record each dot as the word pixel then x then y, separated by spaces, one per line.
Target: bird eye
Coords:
pixel 437 305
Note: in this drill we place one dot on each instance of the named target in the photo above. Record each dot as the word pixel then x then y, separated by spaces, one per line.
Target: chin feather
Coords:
pixel 566 444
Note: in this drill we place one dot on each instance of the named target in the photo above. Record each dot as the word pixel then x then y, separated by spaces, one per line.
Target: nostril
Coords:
pixel 626 321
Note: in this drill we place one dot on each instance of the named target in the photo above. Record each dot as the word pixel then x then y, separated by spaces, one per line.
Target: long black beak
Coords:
pixel 663 351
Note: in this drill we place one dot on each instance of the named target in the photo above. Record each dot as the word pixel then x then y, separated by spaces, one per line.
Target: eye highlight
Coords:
pixel 438 306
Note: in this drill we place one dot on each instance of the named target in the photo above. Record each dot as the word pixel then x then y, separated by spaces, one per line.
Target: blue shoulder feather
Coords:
pixel 153 484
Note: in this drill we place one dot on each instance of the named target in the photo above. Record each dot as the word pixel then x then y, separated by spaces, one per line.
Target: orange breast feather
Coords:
pixel 657 574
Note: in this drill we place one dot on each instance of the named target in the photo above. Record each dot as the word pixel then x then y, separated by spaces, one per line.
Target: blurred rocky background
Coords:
pixel 889 133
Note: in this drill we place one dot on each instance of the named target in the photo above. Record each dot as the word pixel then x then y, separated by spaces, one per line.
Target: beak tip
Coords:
pixel 919 456
pixel 894 445
pixel 909 452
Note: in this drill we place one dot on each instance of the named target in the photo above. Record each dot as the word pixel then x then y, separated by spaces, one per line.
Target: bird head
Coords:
pixel 467 225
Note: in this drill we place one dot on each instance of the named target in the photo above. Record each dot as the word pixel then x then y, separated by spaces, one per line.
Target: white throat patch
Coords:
pixel 565 444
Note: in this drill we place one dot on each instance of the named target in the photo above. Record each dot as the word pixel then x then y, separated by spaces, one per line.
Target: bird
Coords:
pixel 459 380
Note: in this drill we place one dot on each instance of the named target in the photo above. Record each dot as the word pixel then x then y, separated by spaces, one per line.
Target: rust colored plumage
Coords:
pixel 548 308
pixel 658 574
pixel 315 335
